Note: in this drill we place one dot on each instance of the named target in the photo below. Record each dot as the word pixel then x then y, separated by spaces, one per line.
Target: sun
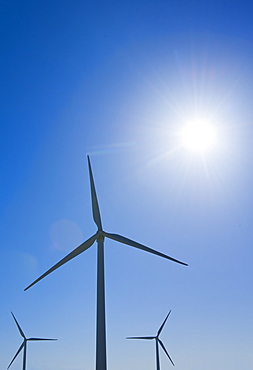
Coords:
pixel 198 135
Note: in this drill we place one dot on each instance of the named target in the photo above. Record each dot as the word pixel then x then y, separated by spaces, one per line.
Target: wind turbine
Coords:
pixel 157 342
pixel 24 344
pixel 99 236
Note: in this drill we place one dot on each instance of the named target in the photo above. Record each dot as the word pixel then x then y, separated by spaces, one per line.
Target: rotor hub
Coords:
pixel 100 235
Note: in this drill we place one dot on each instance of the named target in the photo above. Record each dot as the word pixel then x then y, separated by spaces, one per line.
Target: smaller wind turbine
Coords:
pixel 24 344
pixel 157 342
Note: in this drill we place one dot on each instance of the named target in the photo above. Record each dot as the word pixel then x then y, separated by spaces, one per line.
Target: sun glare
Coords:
pixel 198 135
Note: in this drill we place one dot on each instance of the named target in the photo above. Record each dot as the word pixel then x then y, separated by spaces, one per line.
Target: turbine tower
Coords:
pixel 24 344
pixel 99 236
pixel 157 342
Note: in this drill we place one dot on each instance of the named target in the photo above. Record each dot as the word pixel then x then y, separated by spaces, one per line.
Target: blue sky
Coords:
pixel 117 80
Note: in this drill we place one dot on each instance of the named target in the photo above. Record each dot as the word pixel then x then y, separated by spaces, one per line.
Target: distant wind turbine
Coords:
pixel 157 342
pixel 24 344
pixel 99 237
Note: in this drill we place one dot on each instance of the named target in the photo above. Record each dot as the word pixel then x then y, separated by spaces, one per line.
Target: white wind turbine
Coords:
pixel 101 362
pixel 157 342
pixel 24 344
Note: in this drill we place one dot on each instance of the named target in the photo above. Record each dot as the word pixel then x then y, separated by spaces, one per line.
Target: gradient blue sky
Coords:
pixel 117 80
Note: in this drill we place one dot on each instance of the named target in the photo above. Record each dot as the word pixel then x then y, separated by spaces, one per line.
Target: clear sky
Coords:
pixel 118 80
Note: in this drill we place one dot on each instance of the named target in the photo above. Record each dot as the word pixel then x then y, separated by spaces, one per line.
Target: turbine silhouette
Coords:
pixel 24 344
pixel 157 342
pixel 101 363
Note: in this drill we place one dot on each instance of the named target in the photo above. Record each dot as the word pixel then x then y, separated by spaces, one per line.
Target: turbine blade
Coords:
pixel 161 327
pixel 19 328
pixel 140 337
pixel 20 348
pixel 165 350
pixel 34 339
pixel 94 200
pixel 85 245
pixel 132 243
